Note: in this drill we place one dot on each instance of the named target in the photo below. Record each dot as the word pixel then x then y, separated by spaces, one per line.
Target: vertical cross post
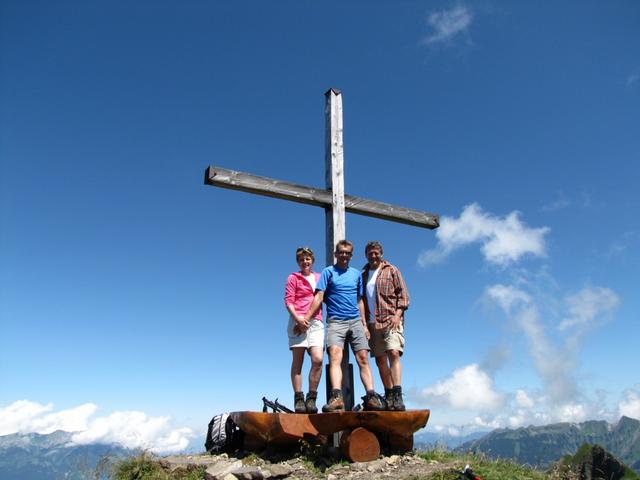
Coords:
pixel 334 171
pixel 334 214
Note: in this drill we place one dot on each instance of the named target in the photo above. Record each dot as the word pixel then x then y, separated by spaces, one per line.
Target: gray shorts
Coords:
pixel 351 330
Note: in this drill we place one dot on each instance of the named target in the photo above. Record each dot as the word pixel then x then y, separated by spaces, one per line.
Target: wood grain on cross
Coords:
pixel 332 198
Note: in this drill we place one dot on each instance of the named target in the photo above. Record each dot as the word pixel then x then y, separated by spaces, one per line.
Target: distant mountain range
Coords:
pixel 431 440
pixel 541 446
pixel 35 457
pixel 53 456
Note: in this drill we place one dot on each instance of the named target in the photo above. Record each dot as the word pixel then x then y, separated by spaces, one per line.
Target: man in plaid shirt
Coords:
pixel 387 298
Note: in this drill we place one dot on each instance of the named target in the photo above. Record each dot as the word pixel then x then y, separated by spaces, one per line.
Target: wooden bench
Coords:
pixel 362 432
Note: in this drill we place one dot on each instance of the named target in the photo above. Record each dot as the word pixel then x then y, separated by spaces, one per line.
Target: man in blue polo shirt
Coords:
pixel 340 286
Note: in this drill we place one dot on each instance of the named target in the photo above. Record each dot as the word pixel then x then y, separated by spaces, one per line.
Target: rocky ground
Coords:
pixel 224 467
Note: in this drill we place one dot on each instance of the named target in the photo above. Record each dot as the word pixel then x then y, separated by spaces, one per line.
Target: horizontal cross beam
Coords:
pixel 224 178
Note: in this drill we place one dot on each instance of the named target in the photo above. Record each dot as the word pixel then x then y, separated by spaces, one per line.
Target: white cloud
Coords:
pixel 504 240
pixel 447 24
pixel 555 365
pixel 526 408
pixel 467 388
pixel 24 416
pixel 523 399
pixel 587 306
pixel 555 361
pixel 484 423
pixel 573 412
pixel 508 297
pixel 494 359
pixel 131 429
pixel 630 405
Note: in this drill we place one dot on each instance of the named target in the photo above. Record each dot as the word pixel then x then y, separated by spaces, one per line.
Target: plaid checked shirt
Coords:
pixel 391 294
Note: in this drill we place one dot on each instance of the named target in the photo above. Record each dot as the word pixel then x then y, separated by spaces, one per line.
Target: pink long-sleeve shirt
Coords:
pixel 298 292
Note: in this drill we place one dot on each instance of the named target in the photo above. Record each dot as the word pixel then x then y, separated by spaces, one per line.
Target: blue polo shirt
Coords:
pixel 342 288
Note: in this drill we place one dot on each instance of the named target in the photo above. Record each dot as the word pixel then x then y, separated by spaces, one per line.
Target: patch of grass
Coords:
pixel 439 455
pixel 482 466
pixel 145 467
pixel 250 459
pixel 141 467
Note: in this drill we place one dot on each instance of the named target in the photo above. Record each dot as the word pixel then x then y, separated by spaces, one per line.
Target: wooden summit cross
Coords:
pixel 332 199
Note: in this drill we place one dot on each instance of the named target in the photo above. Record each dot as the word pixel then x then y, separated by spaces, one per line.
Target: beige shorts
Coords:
pixel 382 340
pixel 314 337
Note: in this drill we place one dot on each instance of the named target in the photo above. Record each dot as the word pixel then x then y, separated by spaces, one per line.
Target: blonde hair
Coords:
pixel 302 251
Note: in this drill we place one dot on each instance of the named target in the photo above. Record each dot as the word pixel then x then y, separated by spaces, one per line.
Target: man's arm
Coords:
pixel 315 305
pixel 363 318
pixel 402 298
pixel 301 323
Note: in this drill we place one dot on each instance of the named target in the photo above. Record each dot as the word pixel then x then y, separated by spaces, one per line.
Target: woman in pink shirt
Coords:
pixel 304 335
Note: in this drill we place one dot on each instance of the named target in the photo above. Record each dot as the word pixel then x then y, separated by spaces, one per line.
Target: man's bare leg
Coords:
pixel 335 368
pixel 395 367
pixel 362 357
pixel 385 373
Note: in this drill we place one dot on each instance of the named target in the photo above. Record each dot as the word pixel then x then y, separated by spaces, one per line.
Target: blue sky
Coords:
pixel 136 302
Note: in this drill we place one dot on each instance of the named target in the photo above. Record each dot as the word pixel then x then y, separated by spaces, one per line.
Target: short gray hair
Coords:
pixel 373 244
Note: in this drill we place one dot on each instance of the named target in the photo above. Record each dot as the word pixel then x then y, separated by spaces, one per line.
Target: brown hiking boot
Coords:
pixel 310 402
pixel 335 403
pixel 298 402
pixel 388 398
pixel 373 402
pixel 398 404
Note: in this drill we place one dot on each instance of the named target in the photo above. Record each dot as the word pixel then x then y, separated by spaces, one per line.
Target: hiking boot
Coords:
pixel 373 402
pixel 335 403
pixel 310 402
pixel 298 403
pixel 388 398
pixel 398 404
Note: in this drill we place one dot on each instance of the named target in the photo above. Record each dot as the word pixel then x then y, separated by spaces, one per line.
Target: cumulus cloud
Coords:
pixel 630 404
pixel 131 429
pixel 447 24
pixel 467 388
pixel 587 306
pixel 24 416
pixel 526 408
pixel 504 241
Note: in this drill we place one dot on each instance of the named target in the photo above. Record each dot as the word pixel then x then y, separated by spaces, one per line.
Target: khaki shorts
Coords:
pixel 383 340
pixel 314 337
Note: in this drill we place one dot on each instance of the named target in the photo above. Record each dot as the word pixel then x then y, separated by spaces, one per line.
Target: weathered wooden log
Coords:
pixel 253 443
pixel 400 443
pixel 287 429
pixel 359 445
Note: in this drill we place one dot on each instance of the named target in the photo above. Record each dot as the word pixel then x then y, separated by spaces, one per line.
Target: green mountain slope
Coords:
pixel 541 446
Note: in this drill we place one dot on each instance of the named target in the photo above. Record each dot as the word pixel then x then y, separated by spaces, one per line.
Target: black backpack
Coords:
pixel 223 435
